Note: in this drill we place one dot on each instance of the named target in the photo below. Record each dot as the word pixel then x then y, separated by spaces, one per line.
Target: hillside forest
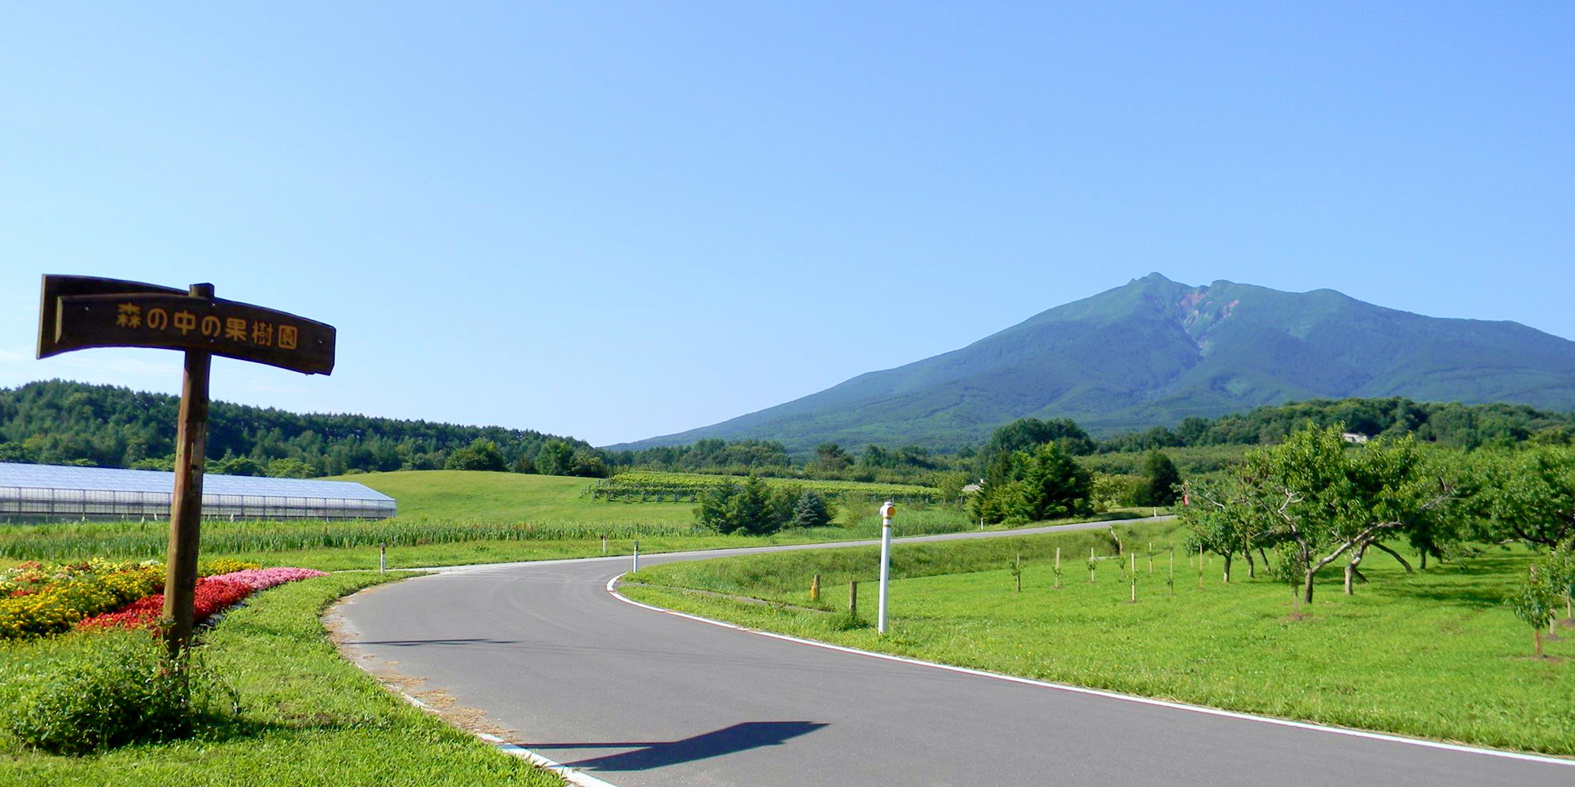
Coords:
pixel 59 422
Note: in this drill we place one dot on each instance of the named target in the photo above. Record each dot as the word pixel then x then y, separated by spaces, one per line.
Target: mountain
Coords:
pixel 1155 351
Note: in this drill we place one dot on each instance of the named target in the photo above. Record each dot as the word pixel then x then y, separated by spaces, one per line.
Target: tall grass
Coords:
pixel 150 539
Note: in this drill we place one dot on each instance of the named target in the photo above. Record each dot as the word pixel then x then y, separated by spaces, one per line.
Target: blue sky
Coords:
pixel 619 220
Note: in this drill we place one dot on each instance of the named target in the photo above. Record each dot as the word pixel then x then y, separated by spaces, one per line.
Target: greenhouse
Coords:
pixel 30 493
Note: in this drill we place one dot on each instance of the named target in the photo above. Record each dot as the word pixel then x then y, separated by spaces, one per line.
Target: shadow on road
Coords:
pixel 739 737
pixel 415 643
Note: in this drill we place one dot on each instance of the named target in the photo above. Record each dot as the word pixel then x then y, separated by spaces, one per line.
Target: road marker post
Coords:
pixel 887 511
pixel 382 557
pixel 636 556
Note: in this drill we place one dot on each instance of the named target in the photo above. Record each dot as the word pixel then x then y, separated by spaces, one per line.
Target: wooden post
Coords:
pixel 814 589
pixel 191 453
pixel 1134 577
pixel 853 598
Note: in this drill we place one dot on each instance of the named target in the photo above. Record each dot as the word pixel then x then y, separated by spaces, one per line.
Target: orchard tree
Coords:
pixel 1528 496
pixel 1223 520
pixel 1533 601
pixel 1331 501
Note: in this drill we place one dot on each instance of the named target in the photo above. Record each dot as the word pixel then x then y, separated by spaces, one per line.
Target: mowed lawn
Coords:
pixel 1432 654
pixel 511 497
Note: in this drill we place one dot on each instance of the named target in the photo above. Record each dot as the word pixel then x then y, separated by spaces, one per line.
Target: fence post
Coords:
pixel 853 598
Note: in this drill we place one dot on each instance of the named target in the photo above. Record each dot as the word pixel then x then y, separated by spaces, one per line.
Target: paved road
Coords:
pixel 640 698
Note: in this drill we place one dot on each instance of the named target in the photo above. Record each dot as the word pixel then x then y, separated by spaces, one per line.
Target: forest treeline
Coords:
pixel 60 422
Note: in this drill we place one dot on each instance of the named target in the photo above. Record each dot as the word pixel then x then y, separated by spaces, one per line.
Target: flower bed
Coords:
pixel 38 600
pixel 214 594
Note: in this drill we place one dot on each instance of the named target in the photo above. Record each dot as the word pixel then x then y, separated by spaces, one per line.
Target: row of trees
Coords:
pixel 1449 424
pixel 1314 500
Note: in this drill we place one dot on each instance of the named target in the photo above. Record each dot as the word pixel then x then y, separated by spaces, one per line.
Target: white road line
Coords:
pixel 570 775
pixel 1377 736
pixel 573 776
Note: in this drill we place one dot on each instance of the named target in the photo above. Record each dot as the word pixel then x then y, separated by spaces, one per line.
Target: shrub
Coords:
pixel 92 692
pixel 210 567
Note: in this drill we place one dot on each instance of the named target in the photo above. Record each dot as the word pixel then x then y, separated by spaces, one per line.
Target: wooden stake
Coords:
pixel 853 598
pixel 814 589
pixel 191 453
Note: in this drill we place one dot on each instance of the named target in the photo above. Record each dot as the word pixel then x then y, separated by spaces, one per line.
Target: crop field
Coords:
pixel 1434 654
pixel 644 486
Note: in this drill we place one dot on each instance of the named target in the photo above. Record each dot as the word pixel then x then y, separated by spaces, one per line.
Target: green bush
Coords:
pixel 94 691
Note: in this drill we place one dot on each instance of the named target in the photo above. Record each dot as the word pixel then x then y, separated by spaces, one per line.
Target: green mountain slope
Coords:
pixel 1156 351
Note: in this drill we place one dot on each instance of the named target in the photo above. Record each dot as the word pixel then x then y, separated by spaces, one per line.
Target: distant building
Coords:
pixel 52 493
pixel 1355 437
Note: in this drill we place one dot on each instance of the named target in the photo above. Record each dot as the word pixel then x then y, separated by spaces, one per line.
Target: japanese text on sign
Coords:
pixel 263 334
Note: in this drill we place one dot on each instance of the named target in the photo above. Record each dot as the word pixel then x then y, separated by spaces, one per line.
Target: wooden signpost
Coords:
pixel 83 312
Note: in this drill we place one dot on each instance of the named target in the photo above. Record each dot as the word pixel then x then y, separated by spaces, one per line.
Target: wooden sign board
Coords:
pixel 80 312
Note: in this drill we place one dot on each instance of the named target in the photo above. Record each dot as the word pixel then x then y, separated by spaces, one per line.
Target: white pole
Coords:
pixel 885 562
pixel 382 558
pixel 636 556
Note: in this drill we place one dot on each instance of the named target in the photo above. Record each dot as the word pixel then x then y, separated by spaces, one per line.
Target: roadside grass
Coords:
pixel 1433 654
pixel 308 717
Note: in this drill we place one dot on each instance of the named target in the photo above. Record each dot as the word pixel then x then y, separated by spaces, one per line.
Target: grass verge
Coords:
pixel 1433 654
pixel 308 717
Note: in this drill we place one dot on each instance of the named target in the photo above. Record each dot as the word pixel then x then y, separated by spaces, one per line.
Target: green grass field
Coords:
pixel 308 717
pixel 1433 654
pixel 512 497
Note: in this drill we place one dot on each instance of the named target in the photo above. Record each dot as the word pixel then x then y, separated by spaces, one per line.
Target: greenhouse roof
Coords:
pixel 109 479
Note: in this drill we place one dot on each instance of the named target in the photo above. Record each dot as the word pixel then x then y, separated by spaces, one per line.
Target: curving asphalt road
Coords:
pixel 639 698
